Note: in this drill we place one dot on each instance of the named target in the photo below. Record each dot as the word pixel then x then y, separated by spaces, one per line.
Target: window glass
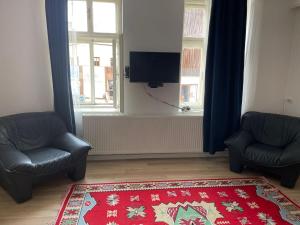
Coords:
pixel 193 54
pixel 191 61
pixel 80 72
pixel 194 22
pixel 191 75
pixel 77 16
pixel 94 52
pixel 189 91
pixel 104 14
pixel 103 72
pixel 117 74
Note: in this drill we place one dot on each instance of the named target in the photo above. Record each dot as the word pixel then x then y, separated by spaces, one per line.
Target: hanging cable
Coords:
pixel 183 109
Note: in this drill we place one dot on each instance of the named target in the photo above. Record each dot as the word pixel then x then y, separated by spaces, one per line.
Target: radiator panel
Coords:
pixel 123 134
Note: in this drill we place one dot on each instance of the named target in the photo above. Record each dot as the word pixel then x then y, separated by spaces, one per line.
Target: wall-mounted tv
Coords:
pixel 154 68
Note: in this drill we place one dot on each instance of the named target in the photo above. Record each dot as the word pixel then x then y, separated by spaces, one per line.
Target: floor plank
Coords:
pixel 47 197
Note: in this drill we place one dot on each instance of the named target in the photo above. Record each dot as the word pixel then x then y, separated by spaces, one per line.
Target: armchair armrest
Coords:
pixel 72 144
pixel 239 141
pixel 291 154
pixel 13 160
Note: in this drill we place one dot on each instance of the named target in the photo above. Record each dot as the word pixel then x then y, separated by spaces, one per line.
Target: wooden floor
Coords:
pixel 43 207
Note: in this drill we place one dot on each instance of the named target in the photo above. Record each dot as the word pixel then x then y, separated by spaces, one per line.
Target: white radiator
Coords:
pixel 123 134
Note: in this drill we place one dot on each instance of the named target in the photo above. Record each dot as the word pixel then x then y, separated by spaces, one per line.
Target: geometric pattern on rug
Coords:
pixel 235 201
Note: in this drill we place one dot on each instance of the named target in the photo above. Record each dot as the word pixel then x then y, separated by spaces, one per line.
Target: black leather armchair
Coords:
pixel 270 142
pixel 34 146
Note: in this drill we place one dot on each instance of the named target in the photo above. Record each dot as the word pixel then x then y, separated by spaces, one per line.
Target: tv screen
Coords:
pixel 154 67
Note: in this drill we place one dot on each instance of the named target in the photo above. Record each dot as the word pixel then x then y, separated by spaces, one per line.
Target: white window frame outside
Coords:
pixel 90 37
pixel 197 42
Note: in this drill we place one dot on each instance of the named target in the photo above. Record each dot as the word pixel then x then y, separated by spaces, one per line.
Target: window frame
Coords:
pixel 201 43
pixel 90 37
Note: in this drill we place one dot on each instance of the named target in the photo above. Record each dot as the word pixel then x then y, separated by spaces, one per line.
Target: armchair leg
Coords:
pixel 78 172
pixel 290 180
pixel 236 166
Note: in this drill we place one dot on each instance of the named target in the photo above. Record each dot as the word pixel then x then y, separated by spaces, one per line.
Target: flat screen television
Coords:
pixel 154 68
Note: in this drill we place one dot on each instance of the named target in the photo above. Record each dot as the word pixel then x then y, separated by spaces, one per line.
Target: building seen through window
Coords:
pixel 195 31
pixel 94 49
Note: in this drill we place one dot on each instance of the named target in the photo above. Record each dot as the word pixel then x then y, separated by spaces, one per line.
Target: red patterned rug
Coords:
pixel 191 202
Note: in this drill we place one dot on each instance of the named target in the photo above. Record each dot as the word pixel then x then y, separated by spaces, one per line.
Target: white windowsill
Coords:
pixel 154 115
pixel 110 111
pixel 97 110
pixel 191 113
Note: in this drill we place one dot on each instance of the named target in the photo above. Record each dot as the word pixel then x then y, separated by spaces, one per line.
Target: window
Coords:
pixel 95 51
pixel 195 32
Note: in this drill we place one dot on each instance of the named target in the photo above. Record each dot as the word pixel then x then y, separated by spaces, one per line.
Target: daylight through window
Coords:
pixel 95 31
pixel 195 32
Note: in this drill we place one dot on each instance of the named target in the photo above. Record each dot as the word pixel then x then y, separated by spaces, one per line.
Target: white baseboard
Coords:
pixel 156 156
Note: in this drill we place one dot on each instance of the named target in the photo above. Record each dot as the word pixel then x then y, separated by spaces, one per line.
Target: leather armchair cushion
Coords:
pixel 272 129
pixel 12 160
pixel 263 155
pixel 291 154
pixel 48 160
pixel 29 131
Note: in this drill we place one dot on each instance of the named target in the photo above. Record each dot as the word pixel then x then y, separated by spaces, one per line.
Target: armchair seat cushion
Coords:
pixel 48 160
pixel 264 155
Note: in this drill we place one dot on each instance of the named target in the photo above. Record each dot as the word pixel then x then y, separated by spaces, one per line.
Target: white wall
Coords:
pixel 25 83
pixel 277 87
pixel 274 56
pixel 292 92
pixel 151 25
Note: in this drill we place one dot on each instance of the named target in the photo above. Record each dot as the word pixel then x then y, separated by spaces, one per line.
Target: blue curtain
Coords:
pixel 57 24
pixel 224 72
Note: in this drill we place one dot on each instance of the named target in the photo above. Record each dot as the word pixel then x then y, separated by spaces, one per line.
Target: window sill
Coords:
pixel 163 115
pixel 97 110
pixel 193 112
pixel 109 111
